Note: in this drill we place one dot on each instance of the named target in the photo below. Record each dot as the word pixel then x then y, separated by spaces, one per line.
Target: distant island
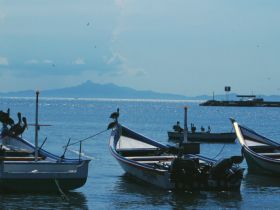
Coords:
pixel 90 89
pixel 244 100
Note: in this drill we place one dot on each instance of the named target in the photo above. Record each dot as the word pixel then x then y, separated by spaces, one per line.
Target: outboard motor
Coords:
pixel 184 172
pixel 225 168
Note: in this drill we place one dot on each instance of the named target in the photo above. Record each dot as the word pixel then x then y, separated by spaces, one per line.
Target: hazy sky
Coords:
pixel 187 47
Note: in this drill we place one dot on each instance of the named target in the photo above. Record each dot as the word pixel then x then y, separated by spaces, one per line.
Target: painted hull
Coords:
pixel 40 185
pixel 52 173
pixel 161 171
pixel 204 137
pixel 261 154
pixel 259 165
pixel 161 180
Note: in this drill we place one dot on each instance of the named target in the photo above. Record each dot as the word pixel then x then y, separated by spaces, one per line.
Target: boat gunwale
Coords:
pixel 49 154
pixel 249 150
pixel 112 145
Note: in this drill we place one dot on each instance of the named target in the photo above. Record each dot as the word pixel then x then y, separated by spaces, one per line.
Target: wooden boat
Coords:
pixel 169 167
pixel 21 172
pixel 262 154
pixel 25 167
pixel 206 137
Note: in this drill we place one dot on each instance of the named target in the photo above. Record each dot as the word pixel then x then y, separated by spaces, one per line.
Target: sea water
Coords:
pixel 107 186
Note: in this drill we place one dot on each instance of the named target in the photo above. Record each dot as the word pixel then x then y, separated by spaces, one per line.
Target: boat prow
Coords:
pixel 262 154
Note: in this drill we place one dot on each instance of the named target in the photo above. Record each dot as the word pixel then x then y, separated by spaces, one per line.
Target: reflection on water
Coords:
pixel 76 200
pixel 257 182
pixel 135 193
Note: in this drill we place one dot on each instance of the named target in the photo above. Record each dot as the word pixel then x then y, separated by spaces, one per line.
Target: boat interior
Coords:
pixel 145 153
pixel 264 149
pixel 11 149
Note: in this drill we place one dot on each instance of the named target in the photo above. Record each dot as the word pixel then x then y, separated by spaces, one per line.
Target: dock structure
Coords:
pixel 244 100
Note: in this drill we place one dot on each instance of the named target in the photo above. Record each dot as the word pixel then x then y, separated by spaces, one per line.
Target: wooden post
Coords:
pixel 186 125
pixel 36 126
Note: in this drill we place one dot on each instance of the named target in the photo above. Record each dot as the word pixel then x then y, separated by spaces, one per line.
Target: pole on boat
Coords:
pixel 185 125
pixel 36 126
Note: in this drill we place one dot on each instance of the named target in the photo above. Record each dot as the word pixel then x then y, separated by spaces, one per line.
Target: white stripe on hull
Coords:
pixel 160 180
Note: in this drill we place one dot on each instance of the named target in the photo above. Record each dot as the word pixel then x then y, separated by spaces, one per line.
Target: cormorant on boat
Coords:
pixel 193 128
pixel 18 128
pixel 177 127
pixel 115 115
pixel 5 118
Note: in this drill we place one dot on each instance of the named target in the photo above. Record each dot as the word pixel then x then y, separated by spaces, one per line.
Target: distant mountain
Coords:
pixel 94 90
pixel 89 89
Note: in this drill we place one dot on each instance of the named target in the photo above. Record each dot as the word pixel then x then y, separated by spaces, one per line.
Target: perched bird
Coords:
pixel 5 118
pixel 111 125
pixel 18 128
pixel 115 115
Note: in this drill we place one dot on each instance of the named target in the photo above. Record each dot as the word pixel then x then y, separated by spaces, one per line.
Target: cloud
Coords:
pixel 4 61
pixel 119 66
pixel 79 61
pixel 119 23
pixel 47 61
pixel 120 4
pixel 35 61
pixel 2 16
pixel 32 61
pixel 116 59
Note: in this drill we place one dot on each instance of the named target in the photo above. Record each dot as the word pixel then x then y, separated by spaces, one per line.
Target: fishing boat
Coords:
pixel 173 168
pixel 26 167
pixel 206 137
pixel 195 136
pixel 262 154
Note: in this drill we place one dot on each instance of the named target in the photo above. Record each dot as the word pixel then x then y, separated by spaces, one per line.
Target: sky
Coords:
pixel 188 47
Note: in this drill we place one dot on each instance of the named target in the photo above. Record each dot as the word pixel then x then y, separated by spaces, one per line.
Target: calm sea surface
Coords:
pixel 107 186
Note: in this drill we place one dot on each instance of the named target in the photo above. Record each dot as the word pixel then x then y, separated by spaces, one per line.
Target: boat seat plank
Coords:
pixel 270 154
pixel 18 151
pixel 262 148
pixel 136 149
pixel 151 158
pixel 19 158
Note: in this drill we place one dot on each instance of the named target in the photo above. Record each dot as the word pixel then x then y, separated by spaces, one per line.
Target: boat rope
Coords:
pixel 89 137
pixel 82 154
pixel 60 190
pixel 219 152
pixel 110 126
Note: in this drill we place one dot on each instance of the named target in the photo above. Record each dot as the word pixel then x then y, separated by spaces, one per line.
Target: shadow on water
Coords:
pixel 261 181
pixel 136 193
pixel 74 200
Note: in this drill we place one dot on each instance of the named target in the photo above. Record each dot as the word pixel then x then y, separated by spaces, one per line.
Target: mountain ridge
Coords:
pixel 90 89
